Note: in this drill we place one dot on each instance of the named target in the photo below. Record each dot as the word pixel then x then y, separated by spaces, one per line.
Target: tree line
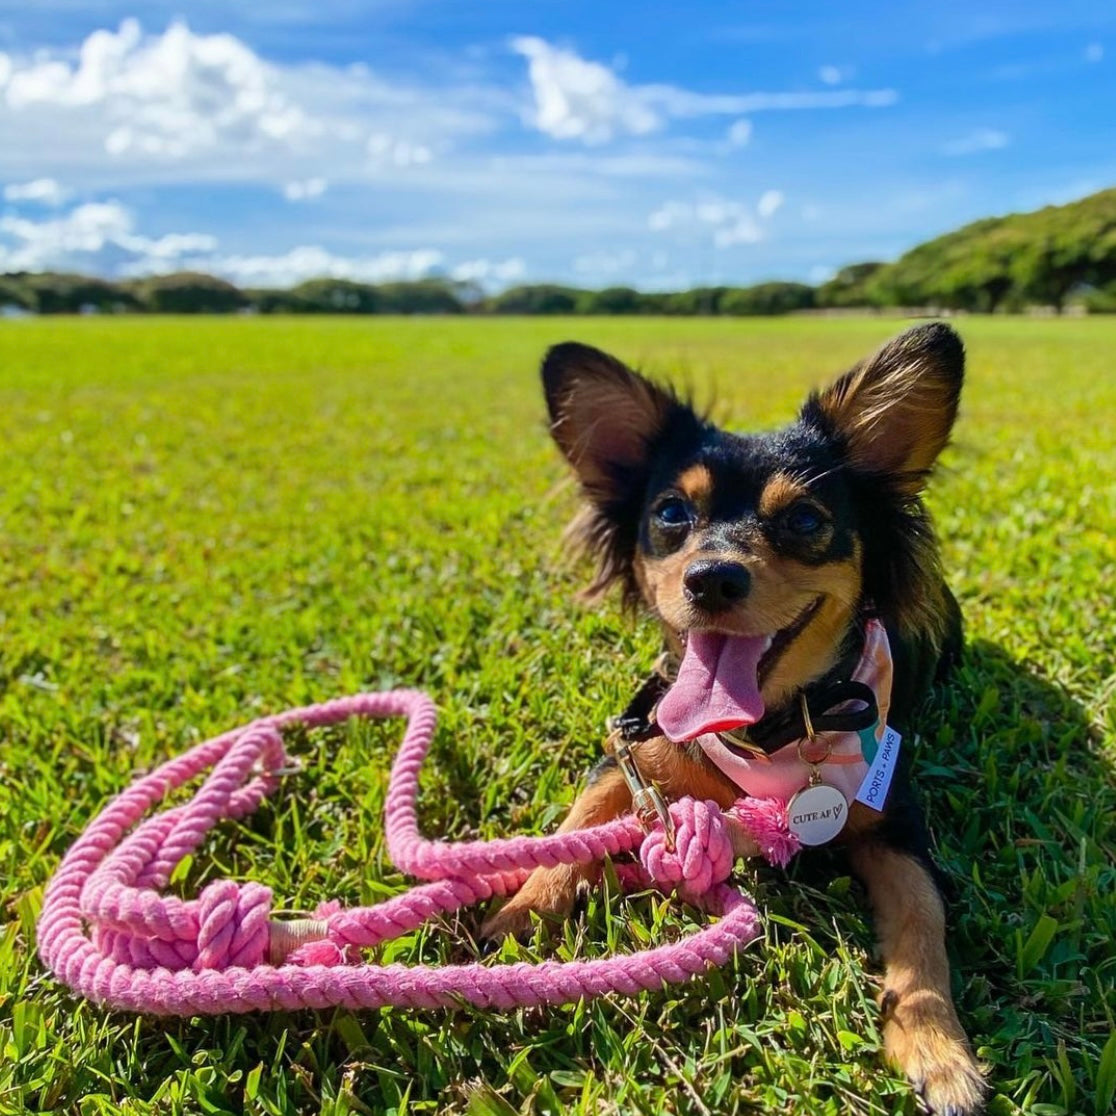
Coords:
pixel 1051 257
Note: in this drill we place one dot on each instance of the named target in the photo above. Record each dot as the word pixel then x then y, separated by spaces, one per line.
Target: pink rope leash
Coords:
pixel 109 932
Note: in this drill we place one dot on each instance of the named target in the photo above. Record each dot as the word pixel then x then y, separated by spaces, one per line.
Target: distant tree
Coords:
pixel 654 302
pixel 767 298
pixel 53 292
pixel 422 296
pixel 337 296
pixel 612 300
pixel 700 300
pixel 1040 257
pixel 934 273
pixel 14 294
pixel 981 279
pixel 1101 300
pixel 189 292
pixel 536 298
pixel 271 300
pixel 468 292
pixel 849 287
pixel 1070 247
pixel 999 263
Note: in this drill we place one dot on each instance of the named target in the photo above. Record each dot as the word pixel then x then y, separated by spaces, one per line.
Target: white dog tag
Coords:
pixel 817 813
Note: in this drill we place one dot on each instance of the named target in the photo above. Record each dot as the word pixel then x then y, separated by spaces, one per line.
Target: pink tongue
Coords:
pixel 717 688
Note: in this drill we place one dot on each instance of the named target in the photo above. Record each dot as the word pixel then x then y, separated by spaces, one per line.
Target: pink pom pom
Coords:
pixel 765 821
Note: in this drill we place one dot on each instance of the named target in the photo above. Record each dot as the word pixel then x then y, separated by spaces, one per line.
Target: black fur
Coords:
pixel 805 535
pixel 878 510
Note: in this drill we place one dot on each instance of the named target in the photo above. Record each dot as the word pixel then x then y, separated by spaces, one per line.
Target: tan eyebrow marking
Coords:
pixel 780 492
pixel 696 483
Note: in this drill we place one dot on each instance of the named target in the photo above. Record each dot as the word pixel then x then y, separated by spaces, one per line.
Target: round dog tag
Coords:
pixel 817 814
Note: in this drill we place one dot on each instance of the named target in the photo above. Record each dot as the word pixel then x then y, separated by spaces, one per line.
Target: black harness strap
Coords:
pixel 637 722
pixel 824 704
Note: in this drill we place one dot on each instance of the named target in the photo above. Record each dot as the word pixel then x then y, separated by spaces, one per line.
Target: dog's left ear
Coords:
pixel 894 412
pixel 605 418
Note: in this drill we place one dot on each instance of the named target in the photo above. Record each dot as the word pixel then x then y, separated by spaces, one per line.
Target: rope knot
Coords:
pixel 232 925
pixel 702 855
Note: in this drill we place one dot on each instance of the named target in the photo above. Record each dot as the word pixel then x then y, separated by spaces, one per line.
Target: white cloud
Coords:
pixel 96 237
pixel 164 251
pixel 486 271
pixel 312 262
pixel 726 222
pixel 43 191
pixel 576 99
pixel 164 96
pixel 824 99
pixel 101 238
pixel 769 203
pixel 669 215
pixel 387 150
pixel 604 265
pixel 980 139
pixel 305 189
pixel 744 230
pixel 739 133
pixel 835 75
pixel 128 107
pixel 1094 52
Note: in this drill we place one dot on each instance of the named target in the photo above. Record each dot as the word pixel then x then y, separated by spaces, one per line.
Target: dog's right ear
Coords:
pixel 605 418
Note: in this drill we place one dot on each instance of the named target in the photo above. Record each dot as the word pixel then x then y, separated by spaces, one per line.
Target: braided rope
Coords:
pixel 107 931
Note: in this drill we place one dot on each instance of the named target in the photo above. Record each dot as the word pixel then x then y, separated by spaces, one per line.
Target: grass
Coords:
pixel 204 520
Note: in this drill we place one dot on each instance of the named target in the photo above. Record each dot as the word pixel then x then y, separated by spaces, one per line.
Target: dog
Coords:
pixel 783 568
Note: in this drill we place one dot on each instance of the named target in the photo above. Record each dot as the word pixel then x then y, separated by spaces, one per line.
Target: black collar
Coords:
pixel 824 701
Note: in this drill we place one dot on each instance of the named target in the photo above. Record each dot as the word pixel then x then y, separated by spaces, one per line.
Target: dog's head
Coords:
pixel 764 549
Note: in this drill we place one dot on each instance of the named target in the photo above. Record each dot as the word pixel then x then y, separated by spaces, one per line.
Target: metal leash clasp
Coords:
pixel 648 803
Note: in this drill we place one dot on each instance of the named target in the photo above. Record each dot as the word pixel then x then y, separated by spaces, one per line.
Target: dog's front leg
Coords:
pixel 922 1033
pixel 551 892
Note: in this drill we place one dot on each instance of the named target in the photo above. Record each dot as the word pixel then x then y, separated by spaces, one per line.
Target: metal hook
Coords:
pixel 648 803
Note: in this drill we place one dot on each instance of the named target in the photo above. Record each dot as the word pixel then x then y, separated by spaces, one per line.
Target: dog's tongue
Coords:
pixel 717 688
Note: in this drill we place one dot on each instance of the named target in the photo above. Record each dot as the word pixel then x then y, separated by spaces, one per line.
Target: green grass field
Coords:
pixel 202 521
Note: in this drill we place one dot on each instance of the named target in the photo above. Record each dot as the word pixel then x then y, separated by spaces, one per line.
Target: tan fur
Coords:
pixel 815 648
pixel 781 589
pixel 780 492
pixel 893 411
pixel 608 420
pixel 696 484
pixel 550 892
pixel 922 1034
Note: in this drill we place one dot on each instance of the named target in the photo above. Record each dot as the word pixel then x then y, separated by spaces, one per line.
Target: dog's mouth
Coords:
pixel 719 679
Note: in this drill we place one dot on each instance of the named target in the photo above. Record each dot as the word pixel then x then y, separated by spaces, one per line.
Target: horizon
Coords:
pixel 412 138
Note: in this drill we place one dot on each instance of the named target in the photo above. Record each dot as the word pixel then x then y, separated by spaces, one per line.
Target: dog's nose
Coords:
pixel 716 584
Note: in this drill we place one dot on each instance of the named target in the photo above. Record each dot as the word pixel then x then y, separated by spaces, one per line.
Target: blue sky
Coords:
pixel 661 145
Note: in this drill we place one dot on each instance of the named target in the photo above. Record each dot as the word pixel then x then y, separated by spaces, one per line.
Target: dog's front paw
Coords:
pixel 548 892
pixel 925 1041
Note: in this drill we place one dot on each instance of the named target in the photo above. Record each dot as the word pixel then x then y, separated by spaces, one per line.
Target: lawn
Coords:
pixel 202 521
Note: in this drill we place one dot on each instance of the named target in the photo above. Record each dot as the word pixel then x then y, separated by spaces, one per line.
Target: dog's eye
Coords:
pixel 673 513
pixel 803 519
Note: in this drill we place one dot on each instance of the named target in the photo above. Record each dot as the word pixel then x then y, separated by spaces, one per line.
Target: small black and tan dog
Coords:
pixel 768 559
